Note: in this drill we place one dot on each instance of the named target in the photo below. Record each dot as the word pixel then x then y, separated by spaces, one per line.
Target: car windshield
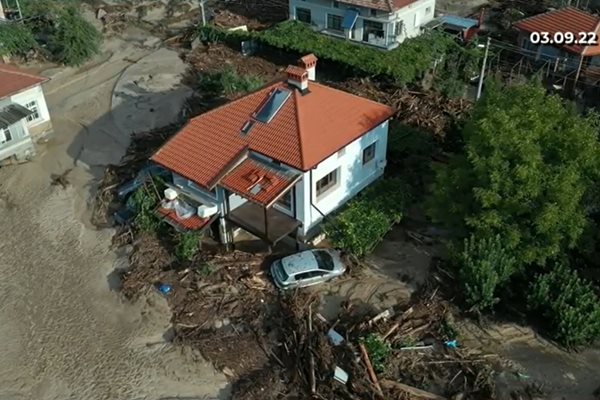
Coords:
pixel 281 272
pixel 324 260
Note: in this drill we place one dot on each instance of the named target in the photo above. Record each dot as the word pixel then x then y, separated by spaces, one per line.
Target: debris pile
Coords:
pixel 265 12
pixel 427 110
pixel 141 147
pixel 214 57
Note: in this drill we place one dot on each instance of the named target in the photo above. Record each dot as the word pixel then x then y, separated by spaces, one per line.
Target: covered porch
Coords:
pixel 261 184
pixel 268 224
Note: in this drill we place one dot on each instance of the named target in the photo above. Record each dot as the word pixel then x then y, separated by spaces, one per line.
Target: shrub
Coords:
pixel 405 64
pixel 227 82
pixel 568 305
pixel 483 265
pixel 365 221
pixel 144 202
pixel 74 40
pixel 379 351
pixel 15 39
pixel 188 245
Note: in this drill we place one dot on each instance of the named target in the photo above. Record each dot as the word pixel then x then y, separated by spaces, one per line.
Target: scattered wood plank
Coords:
pixel 370 369
pixel 412 390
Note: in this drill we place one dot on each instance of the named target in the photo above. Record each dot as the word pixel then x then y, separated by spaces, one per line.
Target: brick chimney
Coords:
pixel 297 77
pixel 309 63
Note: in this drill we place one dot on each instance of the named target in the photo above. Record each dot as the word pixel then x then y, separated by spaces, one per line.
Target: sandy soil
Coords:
pixel 65 335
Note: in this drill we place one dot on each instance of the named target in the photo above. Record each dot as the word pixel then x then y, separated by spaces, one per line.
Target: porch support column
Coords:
pixel 267 228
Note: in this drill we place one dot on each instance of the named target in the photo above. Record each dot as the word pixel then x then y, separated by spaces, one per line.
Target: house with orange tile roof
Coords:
pixel 568 38
pixel 24 115
pixel 276 161
pixel 380 23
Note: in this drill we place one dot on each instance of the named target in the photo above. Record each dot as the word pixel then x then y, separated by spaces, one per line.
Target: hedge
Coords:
pixel 405 64
pixel 364 222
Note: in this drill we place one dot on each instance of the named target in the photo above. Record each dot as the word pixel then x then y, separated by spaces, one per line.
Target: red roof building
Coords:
pixel 308 128
pixel 561 21
pixel 268 158
pixel 14 80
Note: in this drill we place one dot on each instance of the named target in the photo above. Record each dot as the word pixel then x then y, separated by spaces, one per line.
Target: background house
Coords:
pixel 24 115
pixel 381 23
pixel 277 161
pixel 580 59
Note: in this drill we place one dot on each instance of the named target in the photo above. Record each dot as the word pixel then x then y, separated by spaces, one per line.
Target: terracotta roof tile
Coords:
pixel 564 20
pixel 14 80
pixel 250 173
pixel 306 130
pixel 192 223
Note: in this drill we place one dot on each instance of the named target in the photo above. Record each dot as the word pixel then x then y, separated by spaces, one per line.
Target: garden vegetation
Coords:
pixel 56 28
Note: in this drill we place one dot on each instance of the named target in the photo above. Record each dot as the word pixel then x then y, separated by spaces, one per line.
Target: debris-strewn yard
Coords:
pixel 279 346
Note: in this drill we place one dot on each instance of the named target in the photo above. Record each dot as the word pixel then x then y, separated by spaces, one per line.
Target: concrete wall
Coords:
pixel 352 177
pixel 43 125
pixel 20 147
pixel 411 17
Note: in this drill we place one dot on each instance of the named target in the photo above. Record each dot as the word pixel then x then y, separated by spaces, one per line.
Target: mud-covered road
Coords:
pixel 63 333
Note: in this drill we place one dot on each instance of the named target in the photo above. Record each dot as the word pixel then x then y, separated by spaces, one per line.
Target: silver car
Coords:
pixel 307 268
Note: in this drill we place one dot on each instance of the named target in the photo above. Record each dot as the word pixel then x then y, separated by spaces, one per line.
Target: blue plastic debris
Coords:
pixel 451 344
pixel 164 288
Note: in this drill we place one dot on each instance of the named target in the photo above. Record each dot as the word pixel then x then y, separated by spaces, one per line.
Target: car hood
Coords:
pixel 297 262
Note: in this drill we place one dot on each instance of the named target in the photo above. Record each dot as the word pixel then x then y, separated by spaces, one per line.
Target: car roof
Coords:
pixel 300 262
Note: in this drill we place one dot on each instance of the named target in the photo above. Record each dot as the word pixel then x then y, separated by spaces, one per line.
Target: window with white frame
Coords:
pixel 327 183
pixel 369 153
pixel 35 112
pixel 5 135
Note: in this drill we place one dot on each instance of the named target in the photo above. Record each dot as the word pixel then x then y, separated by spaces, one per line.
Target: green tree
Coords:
pixel 483 265
pixel 568 305
pixel 15 39
pixel 74 40
pixel 528 161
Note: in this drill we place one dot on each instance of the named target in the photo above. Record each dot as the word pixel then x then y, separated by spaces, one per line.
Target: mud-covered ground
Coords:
pixel 63 333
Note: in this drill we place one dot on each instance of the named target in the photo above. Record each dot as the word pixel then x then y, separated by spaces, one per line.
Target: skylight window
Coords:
pixel 272 106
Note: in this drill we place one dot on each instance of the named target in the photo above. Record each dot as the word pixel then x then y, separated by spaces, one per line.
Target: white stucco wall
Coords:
pixel 412 16
pixel 353 176
pixel 35 93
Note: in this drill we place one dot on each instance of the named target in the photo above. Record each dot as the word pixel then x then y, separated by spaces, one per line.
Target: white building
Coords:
pixel 24 115
pixel 381 23
pixel 278 160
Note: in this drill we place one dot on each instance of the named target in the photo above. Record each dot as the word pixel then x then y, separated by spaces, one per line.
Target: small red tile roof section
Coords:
pixel 306 130
pixel 567 19
pixel 14 80
pixel 383 5
pixel 249 173
pixel 192 223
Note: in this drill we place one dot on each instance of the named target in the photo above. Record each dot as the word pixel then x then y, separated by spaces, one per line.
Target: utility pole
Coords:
pixel 203 12
pixel 485 56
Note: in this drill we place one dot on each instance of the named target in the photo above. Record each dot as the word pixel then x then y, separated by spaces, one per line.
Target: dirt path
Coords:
pixel 64 334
